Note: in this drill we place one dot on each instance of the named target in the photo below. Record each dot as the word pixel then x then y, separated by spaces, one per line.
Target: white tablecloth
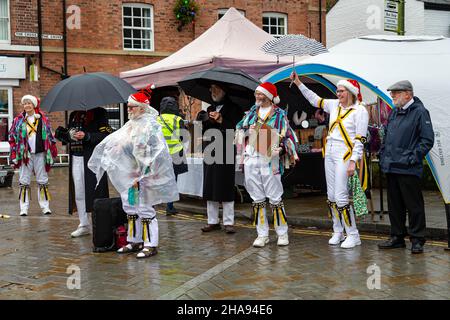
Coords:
pixel 191 182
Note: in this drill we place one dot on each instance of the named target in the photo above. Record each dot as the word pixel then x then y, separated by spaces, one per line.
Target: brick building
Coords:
pixel 114 36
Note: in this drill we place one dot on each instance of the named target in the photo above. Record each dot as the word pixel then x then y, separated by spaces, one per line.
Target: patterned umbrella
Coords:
pixel 293 45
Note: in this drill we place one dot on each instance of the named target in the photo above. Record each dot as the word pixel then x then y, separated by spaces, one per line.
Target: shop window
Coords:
pixel 6 116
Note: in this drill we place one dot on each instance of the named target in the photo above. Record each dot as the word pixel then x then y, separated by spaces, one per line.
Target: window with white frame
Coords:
pixel 6 114
pixel 137 26
pixel 4 21
pixel 275 23
pixel 221 12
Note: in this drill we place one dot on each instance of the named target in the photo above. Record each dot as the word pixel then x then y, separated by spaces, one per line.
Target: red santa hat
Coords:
pixel 352 86
pixel 270 91
pixel 141 98
pixel 35 101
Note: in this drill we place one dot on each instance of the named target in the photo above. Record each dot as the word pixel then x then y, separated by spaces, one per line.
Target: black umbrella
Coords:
pixel 240 87
pixel 86 91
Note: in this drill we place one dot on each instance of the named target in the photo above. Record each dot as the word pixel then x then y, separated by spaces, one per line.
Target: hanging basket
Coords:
pixel 185 12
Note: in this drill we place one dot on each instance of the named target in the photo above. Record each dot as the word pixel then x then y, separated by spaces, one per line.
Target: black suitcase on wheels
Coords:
pixel 107 215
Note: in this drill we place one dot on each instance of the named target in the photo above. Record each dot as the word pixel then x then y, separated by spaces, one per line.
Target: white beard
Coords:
pixel 132 116
pixel 258 103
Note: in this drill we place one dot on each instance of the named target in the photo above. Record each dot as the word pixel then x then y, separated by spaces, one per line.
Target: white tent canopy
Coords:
pixel 379 61
pixel 233 42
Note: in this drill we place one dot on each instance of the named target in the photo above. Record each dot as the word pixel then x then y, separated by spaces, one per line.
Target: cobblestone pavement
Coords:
pixel 36 252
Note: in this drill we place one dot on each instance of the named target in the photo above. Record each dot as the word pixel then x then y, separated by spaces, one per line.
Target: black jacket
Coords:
pixel 218 178
pixel 409 137
pixel 96 127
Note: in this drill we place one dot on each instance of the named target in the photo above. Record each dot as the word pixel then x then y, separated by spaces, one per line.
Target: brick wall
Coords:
pixel 97 45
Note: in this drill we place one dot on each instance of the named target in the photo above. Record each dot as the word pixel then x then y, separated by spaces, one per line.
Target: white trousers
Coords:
pixel 212 208
pixel 79 186
pixel 337 189
pixel 261 183
pixel 35 165
pixel 142 222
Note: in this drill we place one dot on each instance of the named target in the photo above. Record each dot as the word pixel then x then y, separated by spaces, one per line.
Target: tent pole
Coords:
pixel 293 69
pixel 381 191
pixel 380 173
pixel 447 212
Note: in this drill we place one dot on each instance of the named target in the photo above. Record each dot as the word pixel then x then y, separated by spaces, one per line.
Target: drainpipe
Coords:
pixel 41 53
pixel 66 73
pixel 64 38
pixel 320 20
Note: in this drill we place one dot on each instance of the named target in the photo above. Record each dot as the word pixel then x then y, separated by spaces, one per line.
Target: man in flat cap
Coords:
pixel 409 137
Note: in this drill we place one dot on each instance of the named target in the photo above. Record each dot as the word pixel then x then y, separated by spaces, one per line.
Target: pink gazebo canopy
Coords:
pixel 232 42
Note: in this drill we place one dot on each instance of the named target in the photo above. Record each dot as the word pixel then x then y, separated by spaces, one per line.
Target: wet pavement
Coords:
pixel 39 260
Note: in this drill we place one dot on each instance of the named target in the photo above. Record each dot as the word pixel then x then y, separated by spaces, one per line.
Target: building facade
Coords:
pixel 114 36
pixel 354 18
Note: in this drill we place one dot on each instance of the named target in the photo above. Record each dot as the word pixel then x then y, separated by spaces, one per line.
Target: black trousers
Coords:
pixel 404 193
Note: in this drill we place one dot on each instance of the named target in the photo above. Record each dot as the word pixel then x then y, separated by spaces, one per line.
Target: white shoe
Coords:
pixel 23 213
pixel 283 240
pixel 351 241
pixel 337 238
pixel 81 231
pixel 261 242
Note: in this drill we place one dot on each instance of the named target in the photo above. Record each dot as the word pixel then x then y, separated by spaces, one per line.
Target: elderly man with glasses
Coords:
pixel 409 137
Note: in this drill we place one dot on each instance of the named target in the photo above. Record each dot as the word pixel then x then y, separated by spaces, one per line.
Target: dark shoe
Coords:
pixel 416 247
pixel 131 247
pixel 171 211
pixel 211 227
pixel 147 252
pixel 392 243
pixel 230 229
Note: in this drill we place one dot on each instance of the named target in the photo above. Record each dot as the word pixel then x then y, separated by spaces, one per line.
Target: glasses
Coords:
pixel 394 93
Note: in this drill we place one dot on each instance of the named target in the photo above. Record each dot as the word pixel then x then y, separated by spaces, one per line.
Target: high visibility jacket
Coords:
pixel 171 130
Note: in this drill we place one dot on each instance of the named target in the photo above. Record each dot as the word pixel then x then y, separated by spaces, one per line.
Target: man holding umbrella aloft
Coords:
pixel 267 145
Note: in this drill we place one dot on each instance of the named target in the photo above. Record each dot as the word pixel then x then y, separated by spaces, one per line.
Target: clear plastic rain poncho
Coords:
pixel 137 152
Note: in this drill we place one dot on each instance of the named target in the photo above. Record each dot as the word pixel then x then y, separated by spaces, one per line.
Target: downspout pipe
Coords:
pixel 41 53
pixel 66 73
pixel 320 20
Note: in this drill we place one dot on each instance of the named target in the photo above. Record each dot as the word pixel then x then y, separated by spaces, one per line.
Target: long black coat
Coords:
pixel 218 179
pixel 97 128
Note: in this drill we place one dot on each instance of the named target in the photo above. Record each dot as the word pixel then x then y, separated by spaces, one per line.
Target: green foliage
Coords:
pixel 185 12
